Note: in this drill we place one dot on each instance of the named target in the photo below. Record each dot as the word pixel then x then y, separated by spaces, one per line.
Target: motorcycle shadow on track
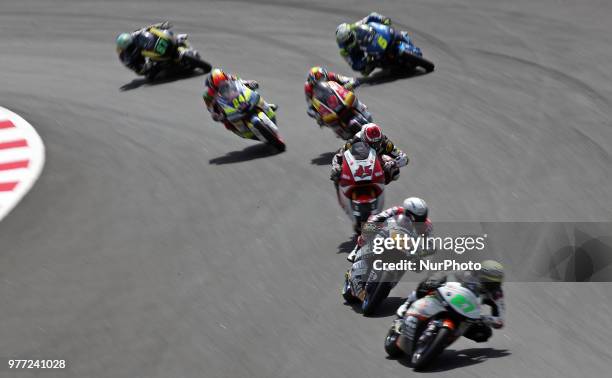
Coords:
pixel 388 76
pixel 386 308
pixel 347 246
pixel 454 359
pixel 324 159
pixel 161 79
pixel 252 152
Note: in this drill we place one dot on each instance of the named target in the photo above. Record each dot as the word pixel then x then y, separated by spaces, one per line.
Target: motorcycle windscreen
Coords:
pixel 235 99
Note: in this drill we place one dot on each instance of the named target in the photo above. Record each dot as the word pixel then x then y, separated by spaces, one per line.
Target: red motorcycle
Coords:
pixel 339 109
pixel 361 188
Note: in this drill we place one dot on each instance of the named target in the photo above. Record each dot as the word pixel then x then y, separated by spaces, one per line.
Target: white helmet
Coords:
pixel 344 35
pixel 416 207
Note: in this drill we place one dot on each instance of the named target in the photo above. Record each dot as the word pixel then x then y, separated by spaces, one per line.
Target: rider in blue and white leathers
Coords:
pixel 353 37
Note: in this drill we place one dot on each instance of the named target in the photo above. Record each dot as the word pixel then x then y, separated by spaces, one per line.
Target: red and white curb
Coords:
pixel 22 156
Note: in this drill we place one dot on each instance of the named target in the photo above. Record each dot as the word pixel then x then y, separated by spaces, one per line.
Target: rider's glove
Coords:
pixel 390 165
pixel 492 321
pixel 352 84
pixel 215 113
pixel 251 84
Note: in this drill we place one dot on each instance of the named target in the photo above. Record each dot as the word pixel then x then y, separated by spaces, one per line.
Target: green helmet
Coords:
pixel 124 40
pixel 491 271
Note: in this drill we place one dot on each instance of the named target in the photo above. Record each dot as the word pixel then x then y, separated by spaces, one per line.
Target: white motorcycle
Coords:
pixel 434 322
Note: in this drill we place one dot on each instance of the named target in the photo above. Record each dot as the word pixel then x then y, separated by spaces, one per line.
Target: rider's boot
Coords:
pixel 351 256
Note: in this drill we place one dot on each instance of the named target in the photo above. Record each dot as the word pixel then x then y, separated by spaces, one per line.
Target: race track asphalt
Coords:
pixel 157 244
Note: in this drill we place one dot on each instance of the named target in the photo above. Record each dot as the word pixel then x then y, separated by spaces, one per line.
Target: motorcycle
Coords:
pixel 389 50
pixel 173 54
pixel 339 109
pixel 244 109
pixel 363 282
pixel 361 187
pixel 433 322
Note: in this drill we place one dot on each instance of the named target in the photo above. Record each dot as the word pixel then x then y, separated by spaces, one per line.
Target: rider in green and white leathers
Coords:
pixel 487 282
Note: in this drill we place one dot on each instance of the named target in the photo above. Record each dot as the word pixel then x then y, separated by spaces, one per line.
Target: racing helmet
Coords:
pixel 491 271
pixel 491 275
pixel 345 36
pixel 123 41
pixel 316 74
pixel 372 134
pixel 216 78
pixel 416 207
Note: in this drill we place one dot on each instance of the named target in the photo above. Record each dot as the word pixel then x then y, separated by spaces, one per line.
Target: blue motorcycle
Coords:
pixel 389 49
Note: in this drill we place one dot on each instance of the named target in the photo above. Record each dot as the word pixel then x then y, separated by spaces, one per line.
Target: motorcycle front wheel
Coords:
pixel 426 350
pixel 391 344
pixel 271 138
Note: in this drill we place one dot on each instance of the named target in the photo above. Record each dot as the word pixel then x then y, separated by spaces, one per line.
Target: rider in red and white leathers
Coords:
pixel 319 74
pixel 372 134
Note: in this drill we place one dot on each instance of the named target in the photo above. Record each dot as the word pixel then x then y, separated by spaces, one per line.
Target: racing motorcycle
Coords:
pixel 173 54
pixel 361 187
pixel 370 284
pixel 339 109
pixel 244 109
pixel 388 50
pixel 433 322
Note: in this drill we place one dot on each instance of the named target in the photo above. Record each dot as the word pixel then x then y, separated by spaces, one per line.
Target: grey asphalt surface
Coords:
pixel 157 244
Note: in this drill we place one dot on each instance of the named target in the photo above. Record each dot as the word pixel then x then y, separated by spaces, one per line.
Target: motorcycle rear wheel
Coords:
pixel 197 62
pixel 414 61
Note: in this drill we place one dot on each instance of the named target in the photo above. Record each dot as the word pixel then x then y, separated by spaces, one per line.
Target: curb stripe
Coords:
pixel 22 157
pixel 13 144
pixel 14 165
pixel 6 124
pixel 8 186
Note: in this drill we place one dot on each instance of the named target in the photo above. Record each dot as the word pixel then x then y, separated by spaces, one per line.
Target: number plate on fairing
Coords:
pixel 362 170
pixel 461 299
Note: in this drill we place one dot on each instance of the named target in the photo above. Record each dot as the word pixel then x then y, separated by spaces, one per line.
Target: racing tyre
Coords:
pixel 391 344
pixel 197 62
pixel 273 139
pixel 417 61
pixel 347 293
pixel 374 297
pixel 425 353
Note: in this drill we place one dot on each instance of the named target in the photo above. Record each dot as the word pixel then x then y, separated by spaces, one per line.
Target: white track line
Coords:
pixel 22 157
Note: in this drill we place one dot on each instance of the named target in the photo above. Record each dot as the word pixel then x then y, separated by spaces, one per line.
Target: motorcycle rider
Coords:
pixel 488 281
pixel 320 74
pixel 351 36
pixel 413 211
pixel 211 86
pixel 372 135
pixel 137 49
